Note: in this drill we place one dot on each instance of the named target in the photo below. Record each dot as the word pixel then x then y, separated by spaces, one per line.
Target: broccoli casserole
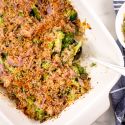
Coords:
pixel 40 46
pixel 123 26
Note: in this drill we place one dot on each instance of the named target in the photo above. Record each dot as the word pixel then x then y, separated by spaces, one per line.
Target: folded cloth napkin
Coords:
pixel 118 91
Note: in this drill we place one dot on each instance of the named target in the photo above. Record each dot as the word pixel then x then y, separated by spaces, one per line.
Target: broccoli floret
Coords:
pixel 46 64
pixel 37 113
pixel 1 20
pixel 9 68
pixel 58 42
pixel 37 41
pixel 72 14
pixel 77 48
pixel 75 83
pixel 75 69
pixel 68 40
pixel 78 54
pixel 67 90
pixel 51 45
pixel 1 61
pixel 21 13
pixel 40 114
pixel 71 97
pixel 35 13
pixel 5 63
pixel 93 64
pixel 30 100
pixel 45 76
pixel 79 69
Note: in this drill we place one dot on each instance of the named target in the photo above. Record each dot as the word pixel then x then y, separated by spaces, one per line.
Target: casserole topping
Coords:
pixel 40 46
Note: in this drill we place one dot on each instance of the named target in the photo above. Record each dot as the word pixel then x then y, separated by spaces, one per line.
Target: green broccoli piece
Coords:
pixel 71 96
pixel 36 41
pixel 93 64
pixel 9 68
pixel 45 76
pixel 79 69
pixel 51 45
pixel 77 48
pixel 5 63
pixel 58 42
pixel 30 100
pixel 72 14
pixel 46 64
pixel 75 69
pixel 21 13
pixel 40 114
pixel 68 40
pixel 35 13
pixel 1 20
pixel 75 83
pixel 67 90
pixel 1 61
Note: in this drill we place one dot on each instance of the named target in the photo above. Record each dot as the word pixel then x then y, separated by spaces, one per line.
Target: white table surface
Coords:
pixel 104 9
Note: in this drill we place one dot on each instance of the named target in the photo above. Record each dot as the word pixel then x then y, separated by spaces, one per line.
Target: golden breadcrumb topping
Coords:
pixel 40 46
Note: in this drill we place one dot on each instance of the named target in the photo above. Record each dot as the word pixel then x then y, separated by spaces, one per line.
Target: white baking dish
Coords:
pixel 88 108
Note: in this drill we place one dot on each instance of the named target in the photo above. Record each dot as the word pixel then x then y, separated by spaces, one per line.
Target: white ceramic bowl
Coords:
pixel 88 108
pixel 119 23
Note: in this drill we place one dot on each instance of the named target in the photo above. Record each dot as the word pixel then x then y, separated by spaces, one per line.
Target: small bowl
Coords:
pixel 119 22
